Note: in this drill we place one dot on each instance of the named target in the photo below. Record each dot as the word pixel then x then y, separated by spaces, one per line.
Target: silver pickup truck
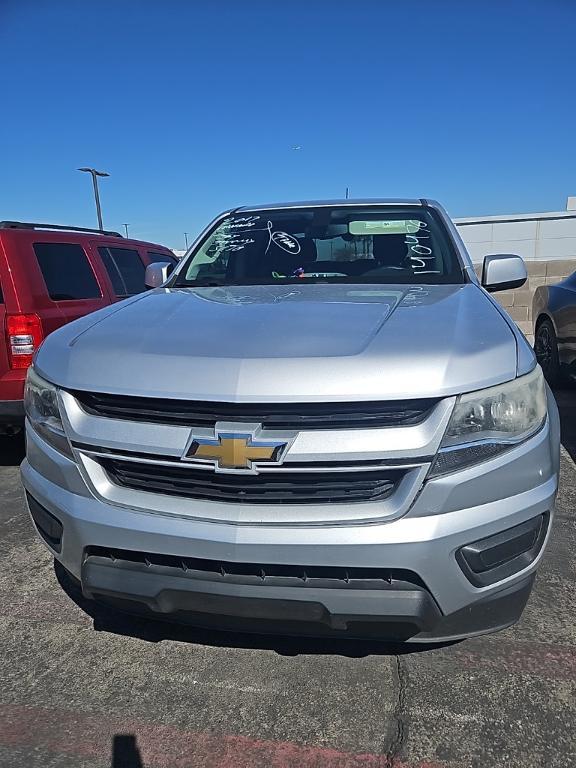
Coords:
pixel 319 423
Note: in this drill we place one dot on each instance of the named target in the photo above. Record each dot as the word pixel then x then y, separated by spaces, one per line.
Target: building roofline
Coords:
pixel 515 218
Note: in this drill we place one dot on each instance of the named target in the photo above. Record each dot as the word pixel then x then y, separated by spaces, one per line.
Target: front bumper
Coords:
pixel 441 604
pixel 394 613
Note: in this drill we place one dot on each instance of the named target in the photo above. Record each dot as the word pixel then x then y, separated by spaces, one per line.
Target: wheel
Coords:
pixel 546 349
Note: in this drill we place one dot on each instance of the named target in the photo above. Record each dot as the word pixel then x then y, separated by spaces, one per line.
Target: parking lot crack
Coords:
pixel 400 725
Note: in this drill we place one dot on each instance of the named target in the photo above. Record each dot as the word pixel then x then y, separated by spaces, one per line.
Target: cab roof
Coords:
pixel 383 201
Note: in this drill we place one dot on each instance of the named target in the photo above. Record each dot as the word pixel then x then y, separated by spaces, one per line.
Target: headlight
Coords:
pixel 490 421
pixel 41 405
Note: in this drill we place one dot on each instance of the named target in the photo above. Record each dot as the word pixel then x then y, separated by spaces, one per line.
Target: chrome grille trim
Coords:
pixel 409 448
pixel 360 466
pixel 408 445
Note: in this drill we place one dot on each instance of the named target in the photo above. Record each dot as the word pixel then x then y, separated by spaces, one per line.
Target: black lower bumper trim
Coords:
pixel 408 612
pixel 489 614
pixel 48 526
pixel 406 609
pixel 501 555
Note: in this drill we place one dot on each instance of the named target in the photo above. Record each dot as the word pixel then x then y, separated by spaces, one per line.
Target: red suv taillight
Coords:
pixel 24 335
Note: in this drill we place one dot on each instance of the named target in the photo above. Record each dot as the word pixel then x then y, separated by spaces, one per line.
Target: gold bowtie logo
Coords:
pixel 233 451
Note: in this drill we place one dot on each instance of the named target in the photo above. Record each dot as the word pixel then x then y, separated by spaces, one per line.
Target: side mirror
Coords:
pixel 502 272
pixel 157 273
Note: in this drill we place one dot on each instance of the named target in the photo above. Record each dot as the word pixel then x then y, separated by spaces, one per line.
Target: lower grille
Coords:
pixel 326 577
pixel 266 488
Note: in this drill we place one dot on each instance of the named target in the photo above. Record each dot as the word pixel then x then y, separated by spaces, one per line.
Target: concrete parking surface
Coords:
pixel 87 688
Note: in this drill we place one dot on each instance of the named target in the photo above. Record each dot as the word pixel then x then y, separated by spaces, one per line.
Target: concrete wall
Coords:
pixel 535 236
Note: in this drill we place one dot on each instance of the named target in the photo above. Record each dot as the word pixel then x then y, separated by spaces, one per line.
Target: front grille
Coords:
pixel 292 416
pixel 266 488
pixel 338 577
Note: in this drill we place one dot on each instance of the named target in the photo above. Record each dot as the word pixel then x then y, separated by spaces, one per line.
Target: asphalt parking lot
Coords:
pixel 88 688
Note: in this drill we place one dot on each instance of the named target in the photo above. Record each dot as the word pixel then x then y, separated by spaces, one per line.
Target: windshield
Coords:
pixel 385 245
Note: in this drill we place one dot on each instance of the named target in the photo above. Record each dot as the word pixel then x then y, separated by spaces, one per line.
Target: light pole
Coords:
pixel 126 228
pixel 94 173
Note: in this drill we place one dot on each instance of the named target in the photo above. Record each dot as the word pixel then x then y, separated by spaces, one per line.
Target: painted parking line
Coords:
pixel 163 746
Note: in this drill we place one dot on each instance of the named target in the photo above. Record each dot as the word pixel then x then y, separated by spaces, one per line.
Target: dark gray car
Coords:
pixel 554 316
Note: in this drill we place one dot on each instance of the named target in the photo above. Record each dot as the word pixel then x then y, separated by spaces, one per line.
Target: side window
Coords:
pixel 66 271
pixel 157 257
pixel 125 269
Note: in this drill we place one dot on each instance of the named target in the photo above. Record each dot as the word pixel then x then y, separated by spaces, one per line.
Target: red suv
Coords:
pixel 50 275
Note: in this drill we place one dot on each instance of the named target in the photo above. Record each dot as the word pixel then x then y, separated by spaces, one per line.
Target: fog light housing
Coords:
pixel 497 557
pixel 48 526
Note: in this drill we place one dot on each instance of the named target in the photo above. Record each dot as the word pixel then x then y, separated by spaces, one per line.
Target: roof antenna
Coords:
pixel 347 192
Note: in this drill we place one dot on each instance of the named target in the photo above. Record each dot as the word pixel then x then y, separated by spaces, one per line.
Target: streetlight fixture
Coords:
pixel 94 173
pixel 126 228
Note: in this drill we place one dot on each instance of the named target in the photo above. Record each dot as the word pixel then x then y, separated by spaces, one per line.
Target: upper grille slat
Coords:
pixel 280 416
pixel 267 488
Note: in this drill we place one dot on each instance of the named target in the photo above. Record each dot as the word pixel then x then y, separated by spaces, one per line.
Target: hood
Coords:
pixel 287 343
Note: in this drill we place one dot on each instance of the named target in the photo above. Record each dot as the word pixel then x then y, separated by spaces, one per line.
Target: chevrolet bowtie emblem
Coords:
pixel 235 451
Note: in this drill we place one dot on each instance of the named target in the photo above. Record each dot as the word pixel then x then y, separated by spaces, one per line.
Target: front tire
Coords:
pixel 546 350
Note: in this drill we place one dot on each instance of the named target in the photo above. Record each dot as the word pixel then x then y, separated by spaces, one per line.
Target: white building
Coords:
pixel 534 236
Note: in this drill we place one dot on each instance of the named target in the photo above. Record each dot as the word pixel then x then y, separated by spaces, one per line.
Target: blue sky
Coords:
pixel 195 106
